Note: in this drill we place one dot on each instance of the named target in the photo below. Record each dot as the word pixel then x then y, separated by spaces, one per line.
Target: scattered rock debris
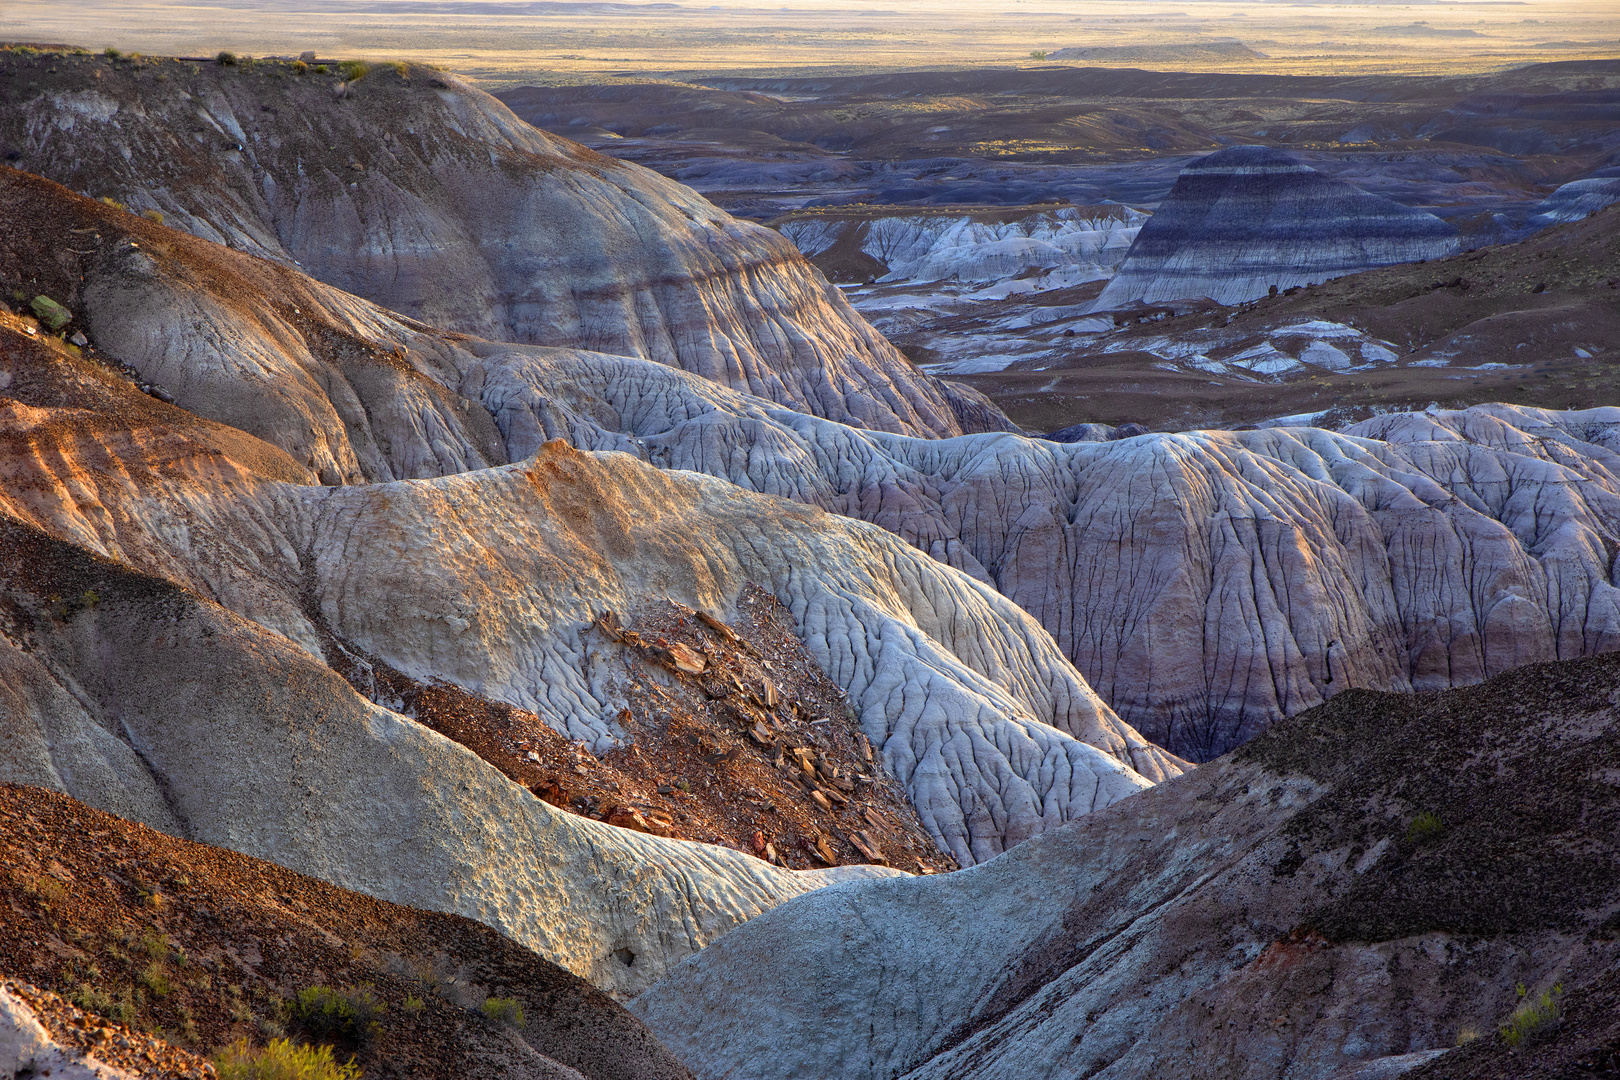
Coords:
pixel 110 1043
pixel 149 952
pixel 736 737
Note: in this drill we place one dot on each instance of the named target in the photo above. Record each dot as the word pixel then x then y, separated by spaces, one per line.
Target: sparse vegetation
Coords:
pixel 1533 1016
pixel 413 1005
pixel 353 70
pixel 321 69
pixel 1423 827
pixel 325 1014
pixel 281 1060
pixel 226 59
pixel 153 215
pixel 114 203
pixel 299 67
pixel 120 1008
pixel 505 1011
pixel 1038 54
pixel 111 53
pixel 155 979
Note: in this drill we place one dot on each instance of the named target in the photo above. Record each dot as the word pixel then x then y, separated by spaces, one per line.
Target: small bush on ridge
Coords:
pixel 1424 826
pixel 1532 1016
pixel 504 1011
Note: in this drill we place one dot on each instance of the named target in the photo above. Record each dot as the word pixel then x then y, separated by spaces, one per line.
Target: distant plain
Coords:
pixel 511 42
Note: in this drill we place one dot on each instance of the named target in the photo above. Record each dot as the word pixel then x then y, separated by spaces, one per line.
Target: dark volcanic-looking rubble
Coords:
pixel 1249 219
pixel 201 944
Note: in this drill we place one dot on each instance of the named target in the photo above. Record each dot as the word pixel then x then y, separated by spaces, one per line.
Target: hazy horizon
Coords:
pixel 506 42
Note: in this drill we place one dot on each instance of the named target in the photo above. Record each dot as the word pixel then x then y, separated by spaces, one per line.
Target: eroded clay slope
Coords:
pixel 1205 583
pixel 1364 884
pixel 413 189
pixel 488 579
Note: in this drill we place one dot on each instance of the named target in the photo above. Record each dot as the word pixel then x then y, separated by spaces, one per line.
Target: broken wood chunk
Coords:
pixel 609 624
pixel 717 626
pixel 772 698
pixel 820 799
pixel 759 735
pixel 865 744
pixel 867 845
pixel 687 659
pixel 823 850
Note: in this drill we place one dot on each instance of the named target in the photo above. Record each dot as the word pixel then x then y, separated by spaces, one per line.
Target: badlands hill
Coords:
pixel 1049 527
pixel 122 931
pixel 1357 893
pixel 971 245
pixel 614 657
pixel 407 187
pixel 1248 219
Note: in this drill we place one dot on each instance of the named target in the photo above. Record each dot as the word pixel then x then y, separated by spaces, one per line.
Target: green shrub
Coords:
pixel 88 998
pixel 349 1015
pixel 299 67
pixel 320 69
pixel 227 59
pixel 155 979
pixel 1424 826
pixel 1532 1016
pixel 111 53
pixel 281 1060
pixel 504 1011
pixel 413 1005
pixel 353 70
pixel 1038 54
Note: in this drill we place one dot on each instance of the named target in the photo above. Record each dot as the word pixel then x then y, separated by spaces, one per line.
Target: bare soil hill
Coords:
pixel 201 946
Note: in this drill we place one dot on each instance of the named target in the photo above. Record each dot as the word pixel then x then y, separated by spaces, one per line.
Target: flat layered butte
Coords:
pixel 1249 219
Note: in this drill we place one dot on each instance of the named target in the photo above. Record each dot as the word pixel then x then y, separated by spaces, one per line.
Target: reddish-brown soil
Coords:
pixel 199 946
pixel 756 750
pixel 115 1044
